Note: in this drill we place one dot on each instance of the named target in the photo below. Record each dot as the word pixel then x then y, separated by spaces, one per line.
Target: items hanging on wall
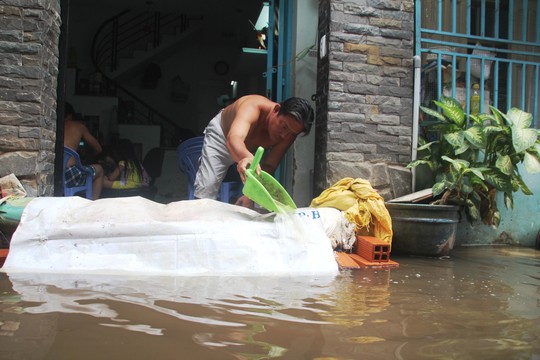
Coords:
pixel 221 68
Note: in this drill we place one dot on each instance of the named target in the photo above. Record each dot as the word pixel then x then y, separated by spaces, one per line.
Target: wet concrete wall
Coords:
pixel 519 226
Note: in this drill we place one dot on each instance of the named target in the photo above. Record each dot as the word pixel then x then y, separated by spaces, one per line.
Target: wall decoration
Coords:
pixel 221 68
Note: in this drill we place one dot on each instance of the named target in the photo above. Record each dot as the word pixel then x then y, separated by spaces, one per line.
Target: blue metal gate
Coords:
pixel 492 43
pixel 278 67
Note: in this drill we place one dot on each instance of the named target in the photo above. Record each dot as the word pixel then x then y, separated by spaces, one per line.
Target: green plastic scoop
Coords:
pixel 265 190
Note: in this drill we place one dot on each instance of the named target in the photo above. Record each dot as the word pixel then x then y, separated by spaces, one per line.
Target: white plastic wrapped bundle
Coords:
pixel 340 231
pixel 136 235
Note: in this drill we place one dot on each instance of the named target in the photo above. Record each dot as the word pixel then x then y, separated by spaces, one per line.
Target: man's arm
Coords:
pixel 90 140
pixel 272 160
pixel 245 117
pixel 241 125
pixel 115 174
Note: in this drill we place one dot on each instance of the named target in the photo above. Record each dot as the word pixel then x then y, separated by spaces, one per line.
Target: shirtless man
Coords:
pixel 74 131
pixel 239 129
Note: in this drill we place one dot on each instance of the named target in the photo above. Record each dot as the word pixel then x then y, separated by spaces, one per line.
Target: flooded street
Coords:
pixel 481 303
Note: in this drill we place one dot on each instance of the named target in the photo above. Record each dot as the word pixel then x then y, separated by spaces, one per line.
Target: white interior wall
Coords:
pixel 305 85
pixel 195 66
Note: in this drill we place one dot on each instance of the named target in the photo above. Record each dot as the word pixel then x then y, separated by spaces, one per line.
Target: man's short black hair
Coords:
pixel 301 110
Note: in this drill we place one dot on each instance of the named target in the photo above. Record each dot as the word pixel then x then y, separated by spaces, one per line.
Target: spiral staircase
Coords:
pixel 128 43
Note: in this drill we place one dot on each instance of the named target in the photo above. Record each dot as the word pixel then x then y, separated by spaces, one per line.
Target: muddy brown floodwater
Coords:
pixel 481 303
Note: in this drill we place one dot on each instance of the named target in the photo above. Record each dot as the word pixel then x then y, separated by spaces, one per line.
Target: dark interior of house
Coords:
pixel 156 72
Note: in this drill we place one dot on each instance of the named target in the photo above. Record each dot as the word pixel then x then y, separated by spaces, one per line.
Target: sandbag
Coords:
pixel 191 237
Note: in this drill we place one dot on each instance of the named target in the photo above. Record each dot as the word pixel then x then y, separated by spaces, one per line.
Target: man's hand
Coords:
pixel 243 165
pixel 245 202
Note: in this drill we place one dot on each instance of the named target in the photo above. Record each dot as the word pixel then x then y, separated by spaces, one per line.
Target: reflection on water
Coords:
pixel 482 303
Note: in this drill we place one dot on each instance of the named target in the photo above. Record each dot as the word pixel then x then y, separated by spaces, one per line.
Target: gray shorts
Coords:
pixel 214 162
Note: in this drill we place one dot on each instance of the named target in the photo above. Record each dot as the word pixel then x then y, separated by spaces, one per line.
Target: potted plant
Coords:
pixel 473 157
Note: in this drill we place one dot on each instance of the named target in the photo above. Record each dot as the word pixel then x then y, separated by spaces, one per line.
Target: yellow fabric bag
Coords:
pixel 362 205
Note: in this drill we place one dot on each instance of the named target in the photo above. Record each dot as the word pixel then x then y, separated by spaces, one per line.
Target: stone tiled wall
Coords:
pixel 29 33
pixel 364 96
pixel 366 85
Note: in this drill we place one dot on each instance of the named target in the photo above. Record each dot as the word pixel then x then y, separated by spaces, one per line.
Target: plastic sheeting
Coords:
pixel 193 237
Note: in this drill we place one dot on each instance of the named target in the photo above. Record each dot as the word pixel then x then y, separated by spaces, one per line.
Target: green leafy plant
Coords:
pixel 472 157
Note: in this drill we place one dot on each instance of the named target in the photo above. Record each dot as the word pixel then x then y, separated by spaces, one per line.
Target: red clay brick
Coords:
pixel 372 249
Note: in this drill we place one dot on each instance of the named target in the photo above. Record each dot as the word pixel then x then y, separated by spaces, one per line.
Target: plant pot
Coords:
pixel 423 229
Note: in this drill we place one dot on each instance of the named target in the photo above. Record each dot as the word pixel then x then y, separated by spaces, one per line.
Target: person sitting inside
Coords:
pixel 129 172
pixel 74 132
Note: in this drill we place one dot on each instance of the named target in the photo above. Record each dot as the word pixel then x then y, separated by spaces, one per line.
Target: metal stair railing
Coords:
pixel 118 37
pixel 121 34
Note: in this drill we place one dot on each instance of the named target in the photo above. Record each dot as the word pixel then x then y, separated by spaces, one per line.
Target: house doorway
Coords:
pixel 158 72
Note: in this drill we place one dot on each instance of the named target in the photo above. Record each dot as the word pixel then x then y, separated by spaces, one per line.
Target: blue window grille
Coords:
pixel 494 43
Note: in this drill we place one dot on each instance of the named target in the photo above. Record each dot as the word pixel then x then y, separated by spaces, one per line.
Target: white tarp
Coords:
pixel 193 237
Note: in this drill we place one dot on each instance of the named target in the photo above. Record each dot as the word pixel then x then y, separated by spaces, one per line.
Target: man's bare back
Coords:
pixel 73 133
pixel 253 110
